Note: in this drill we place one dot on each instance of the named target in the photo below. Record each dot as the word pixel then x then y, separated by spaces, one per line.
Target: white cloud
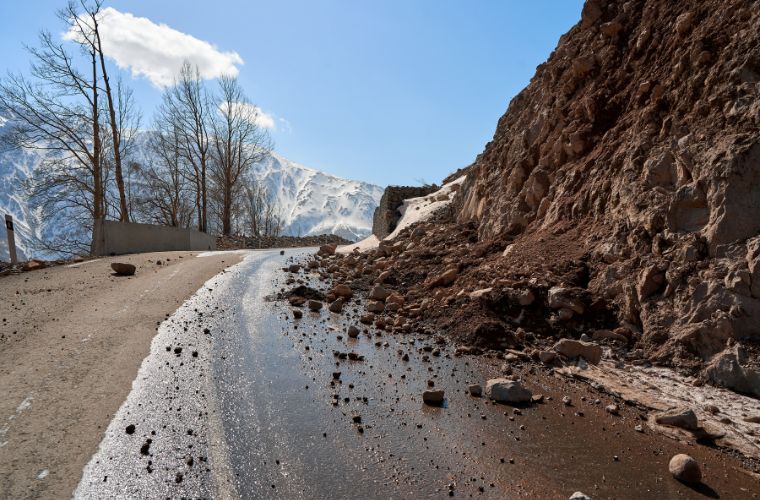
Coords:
pixel 157 51
pixel 254 114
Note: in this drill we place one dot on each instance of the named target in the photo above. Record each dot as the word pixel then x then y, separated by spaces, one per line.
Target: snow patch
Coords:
pixel 413 210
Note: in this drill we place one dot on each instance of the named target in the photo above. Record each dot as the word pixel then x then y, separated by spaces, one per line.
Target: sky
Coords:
pixel 388 92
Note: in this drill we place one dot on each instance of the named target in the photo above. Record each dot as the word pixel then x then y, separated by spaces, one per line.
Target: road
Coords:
pixel 238 399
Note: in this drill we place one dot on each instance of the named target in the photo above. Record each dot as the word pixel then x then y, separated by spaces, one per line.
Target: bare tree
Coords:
pixel 262 213
pixel 86 30
pixel 166 200
pixel 57 111
pixel 239 142
pixel 186 106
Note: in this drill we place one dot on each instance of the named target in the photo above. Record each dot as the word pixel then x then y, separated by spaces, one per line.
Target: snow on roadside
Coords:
pixel 413 210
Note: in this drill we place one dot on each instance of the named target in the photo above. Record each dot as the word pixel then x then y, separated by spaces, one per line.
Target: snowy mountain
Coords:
pixel 310 202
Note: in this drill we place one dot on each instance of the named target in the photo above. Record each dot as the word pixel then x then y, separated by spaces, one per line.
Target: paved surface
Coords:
pixel 71 341
pixel 237 399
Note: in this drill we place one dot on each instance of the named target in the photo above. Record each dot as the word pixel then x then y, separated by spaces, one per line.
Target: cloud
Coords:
pixel 255 114
pixel 157 51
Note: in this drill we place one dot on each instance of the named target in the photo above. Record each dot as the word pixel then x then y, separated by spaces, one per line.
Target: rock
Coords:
pixel 684 22
pixel 504 390
pixel 123 269
pixel 639 428
pixel 547 356
pixel 353 332
pixel 343 291
pixel 375 306
pixel 294 268
pixel 475 390
pixel 560 297
pixel 609 335
pixel 34 264
pixel 315 305
pixel 337 305
pixel 432 397
pixel 479 293
pixel 282 252
pixel 591 13
pixel 379 292
pixel 574 348
pixel 611 29
pixel 612 409
pixel 684 468
pixel 327 250
pixel 579 495
pixel 567 401
pixel 651 281
pixel 297 313
pixel 525 297
pixel 681 417
pixel 728 369
pixel 444 279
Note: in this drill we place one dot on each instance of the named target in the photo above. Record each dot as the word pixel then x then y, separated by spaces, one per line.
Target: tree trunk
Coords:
pixel 124 215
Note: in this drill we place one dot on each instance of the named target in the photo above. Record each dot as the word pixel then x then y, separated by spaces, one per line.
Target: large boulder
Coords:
pixel 575 348
pixel 683 418
pixel 503 390
pixel 728 369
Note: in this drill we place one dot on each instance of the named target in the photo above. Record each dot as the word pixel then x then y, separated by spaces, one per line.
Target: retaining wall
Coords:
pixel 116 238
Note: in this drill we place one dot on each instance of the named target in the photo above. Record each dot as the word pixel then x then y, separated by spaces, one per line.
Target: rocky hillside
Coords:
pixel 635 150
pixel 618 201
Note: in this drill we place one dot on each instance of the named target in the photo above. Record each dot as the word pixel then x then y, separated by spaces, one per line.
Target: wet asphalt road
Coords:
pixel 237 399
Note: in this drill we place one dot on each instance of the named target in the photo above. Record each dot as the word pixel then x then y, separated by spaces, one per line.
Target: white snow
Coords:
pixel 413 210
pixel 367 243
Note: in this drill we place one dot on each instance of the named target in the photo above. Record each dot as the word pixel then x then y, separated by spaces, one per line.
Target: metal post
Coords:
pixel 11 238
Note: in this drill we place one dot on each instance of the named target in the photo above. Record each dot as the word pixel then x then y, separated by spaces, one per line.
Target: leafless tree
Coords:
pixel 261 212
pixel 86 29
pixel 186 107
pixel 57 110
pixel 166 199
pixel 238 142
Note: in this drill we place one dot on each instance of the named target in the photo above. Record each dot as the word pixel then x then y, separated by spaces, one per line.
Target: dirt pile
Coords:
pixel 619 199
pixel 240 242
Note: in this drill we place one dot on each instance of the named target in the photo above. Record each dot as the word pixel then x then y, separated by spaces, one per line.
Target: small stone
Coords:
pixel 639 428
pixel 567 401
pixel 294 268
pixel 475 390
pixel 503 390
pixel 123 269
pixel 337 305
pixel 685 469
pixel 612 409
pixel 297 313
pixel 579 495
pixel 432 397
pixel 130 429
pixel 353 332
pixel 315 305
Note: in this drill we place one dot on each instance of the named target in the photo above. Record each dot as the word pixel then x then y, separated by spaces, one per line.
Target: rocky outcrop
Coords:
pixel 640 133
pixel 386 214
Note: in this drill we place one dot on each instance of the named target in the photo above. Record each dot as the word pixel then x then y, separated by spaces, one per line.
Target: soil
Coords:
pixel 72 338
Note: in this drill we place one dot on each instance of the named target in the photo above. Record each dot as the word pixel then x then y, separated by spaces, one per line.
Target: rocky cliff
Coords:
pixel 618 203
pixel 635 150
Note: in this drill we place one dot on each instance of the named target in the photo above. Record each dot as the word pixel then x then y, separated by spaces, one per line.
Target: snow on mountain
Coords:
pixel 313 202
pixel 310 202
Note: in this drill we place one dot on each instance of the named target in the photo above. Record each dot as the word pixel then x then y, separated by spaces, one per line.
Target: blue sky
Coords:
pixel 387 91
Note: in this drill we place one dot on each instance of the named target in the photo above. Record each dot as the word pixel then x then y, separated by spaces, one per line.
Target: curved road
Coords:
pixel 237 399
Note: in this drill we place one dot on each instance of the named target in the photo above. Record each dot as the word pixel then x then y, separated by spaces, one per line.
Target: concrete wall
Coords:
pixel 386 214
pixel 116 238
